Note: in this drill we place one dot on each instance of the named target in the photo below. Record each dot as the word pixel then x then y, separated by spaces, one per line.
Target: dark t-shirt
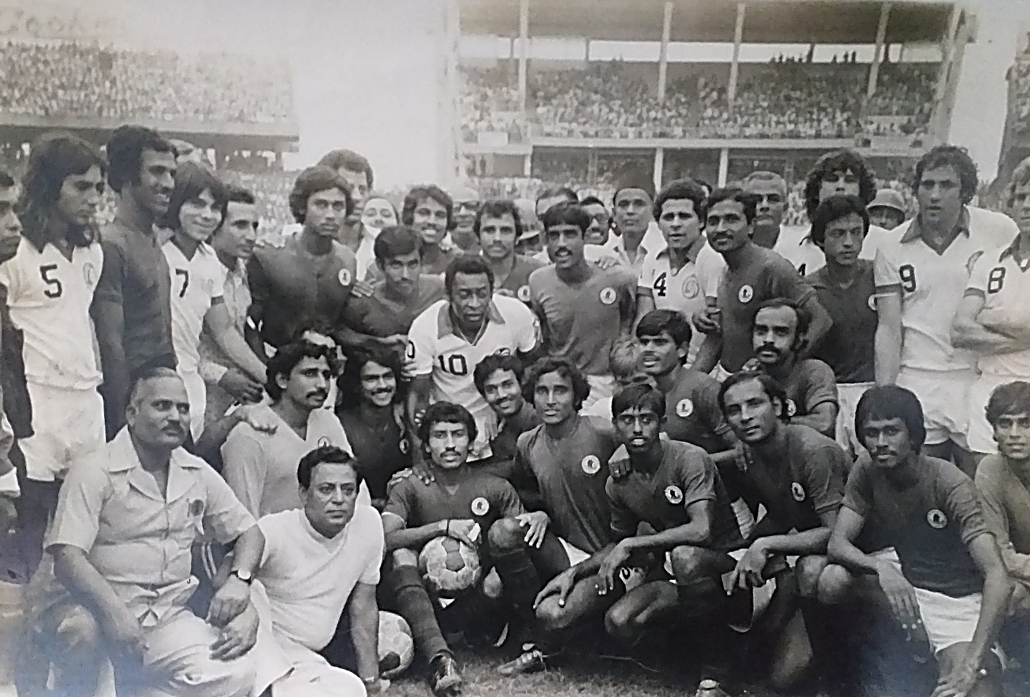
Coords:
pixel 795 489
pixel 692 412
pixel 767 275
pixel 379 452
pixel 810 384
pixel 517 281
pixel 435 260
pixel 292 289
pixel 570 476
pixel 136 276
pixel 505 444
pixel 685 476
pixel 848 347
pixel 381 315
pixel 930 522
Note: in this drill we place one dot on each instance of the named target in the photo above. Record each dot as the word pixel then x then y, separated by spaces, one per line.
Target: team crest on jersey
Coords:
pixel 608 295
pixel 344 277
pixel 691 288
pixel 89 274
pixel 674 495
pixel 196 508
pixel 591 465
pixel 523 294
pixel 936 518
pixel 792 408
pixel 480 506
pixel 684 408
pixel 797 491
pixel 745 294
pixel 403 446
pixel 323 442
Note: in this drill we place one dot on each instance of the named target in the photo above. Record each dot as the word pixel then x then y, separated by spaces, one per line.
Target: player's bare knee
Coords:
pixel 492 586
pixel 620 622
pixel 835 583
pixel 554 617
pixel 688 563
pixel 403 557
pixel 808 570
pixel 506 534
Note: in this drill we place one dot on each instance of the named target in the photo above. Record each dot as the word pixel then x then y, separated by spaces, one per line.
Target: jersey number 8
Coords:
pixel 996 279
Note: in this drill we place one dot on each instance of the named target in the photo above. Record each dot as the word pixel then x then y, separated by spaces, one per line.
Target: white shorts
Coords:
pixel 196 391
pixel 945 398
pixel 981 435
pixel 312 676
pixel 575 554
pixel 848 395
pixel 67 425
pixel 601 386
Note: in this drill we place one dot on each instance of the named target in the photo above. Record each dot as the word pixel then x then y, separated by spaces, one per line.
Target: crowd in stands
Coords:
pixel 75 79
pixel 789 98
pixel 1020 107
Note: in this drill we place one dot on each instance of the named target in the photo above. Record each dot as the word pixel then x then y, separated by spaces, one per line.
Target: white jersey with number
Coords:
pixel 796 246
pixel 1004 284
pixel 680 290
pixel 932 284
pixel 196 283
pixel 436 348
pixel 49 298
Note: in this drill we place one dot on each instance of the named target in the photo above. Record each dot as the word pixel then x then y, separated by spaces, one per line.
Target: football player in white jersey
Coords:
pixel 449 339
pixel 921 273
pixel 195 209
pixel 993 318
pixel 50 283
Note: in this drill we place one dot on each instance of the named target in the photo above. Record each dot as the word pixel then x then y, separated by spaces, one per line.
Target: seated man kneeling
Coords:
pixel 126 519
pixel 319 559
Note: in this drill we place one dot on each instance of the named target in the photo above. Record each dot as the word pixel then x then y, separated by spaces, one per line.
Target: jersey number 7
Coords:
pixel 185 281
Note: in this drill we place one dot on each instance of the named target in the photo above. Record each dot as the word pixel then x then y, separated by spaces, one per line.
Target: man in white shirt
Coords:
pixel 632 207
pixel 319 560
pixel 921 273
pixel 449 339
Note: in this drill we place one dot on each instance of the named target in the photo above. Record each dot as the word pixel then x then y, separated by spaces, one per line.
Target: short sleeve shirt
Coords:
pixel 848 347
pixel 581 322
pixel 570 475
pixel 931 284
pixel 380 451
pixel 383 315
pixel 765 276
pixel 135 276
pixel 680 290
pixel 692 412
pixel 930 523
pixel 196 283
pixel 685 476
pixel 295 290
pixel 517 282
pixel 795 490
pixel 1004 284
pixel 810 384
pixel 138 538
pixel 49 297
pixel 308 578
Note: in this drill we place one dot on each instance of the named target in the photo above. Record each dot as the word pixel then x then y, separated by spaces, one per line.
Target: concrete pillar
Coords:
pixel 724 166
pixel 523 53
pixel 881 34
pixel 738 39
pixel 659 166
pixel 663 55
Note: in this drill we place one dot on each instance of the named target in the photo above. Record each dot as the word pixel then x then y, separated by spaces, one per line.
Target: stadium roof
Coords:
pixel 766 21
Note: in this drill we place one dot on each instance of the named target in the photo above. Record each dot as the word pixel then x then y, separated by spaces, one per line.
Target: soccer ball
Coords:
pixel 395 638
pixel 448 566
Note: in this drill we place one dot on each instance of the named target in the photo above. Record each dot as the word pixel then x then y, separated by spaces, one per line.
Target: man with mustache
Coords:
pixel 306 283
pixel 126 519
pixel 452 336
pixel 132 302
pixel 947 582
pixel 811 388
pixel 499 377
pixel 233 243
pixel 582 307
pixel 922 270
pixel 993 318
pixel 460 502
pixel 49 277
pixel 430 211
pixel 261 466
pixel 753 275
pixel 497 227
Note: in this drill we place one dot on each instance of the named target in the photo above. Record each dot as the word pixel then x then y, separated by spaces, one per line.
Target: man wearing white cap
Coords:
pixel 887 210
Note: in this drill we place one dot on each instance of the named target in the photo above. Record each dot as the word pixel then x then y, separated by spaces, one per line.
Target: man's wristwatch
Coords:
pixel 243 575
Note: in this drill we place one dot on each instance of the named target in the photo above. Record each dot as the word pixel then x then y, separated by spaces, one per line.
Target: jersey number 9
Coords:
pixel 908 278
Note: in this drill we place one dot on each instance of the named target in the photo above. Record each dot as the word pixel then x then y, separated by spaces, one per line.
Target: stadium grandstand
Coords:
pixel 1015 144
pixel 61 71
pixel 712 89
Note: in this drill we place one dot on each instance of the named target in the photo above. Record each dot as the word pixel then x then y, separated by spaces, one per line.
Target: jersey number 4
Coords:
pixel 185 274
pixel 54 288
pixel 908 278
pixel 660 285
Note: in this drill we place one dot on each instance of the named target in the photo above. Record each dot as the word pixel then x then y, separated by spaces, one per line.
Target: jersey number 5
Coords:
pixel 659 285
pixel 908 278
pixel 54 288
pixel 185 281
